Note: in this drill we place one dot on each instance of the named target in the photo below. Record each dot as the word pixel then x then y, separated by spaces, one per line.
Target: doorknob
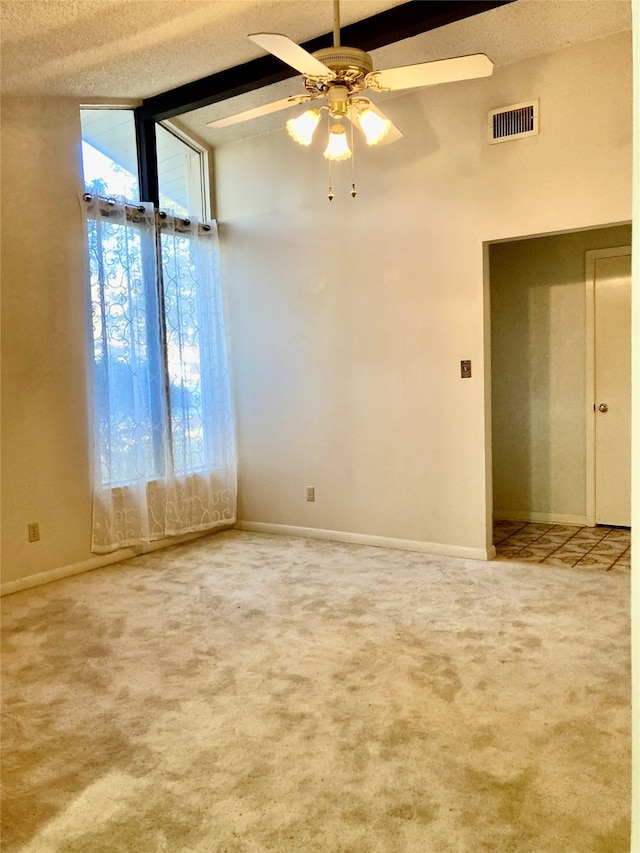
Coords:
pixel 603 407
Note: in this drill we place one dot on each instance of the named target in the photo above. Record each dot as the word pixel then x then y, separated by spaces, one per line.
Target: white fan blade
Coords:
pixel 256 112
pixel 291 53
pixel 430 73
pixel 392 135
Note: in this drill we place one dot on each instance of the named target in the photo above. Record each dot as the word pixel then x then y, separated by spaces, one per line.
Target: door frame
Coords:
pixel 591 256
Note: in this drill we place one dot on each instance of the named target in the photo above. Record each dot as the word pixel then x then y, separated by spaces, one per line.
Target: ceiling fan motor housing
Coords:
pixel 338 99
pixel 350 64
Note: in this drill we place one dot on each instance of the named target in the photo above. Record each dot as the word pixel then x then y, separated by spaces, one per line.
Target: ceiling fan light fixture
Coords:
pixel 338 75
pixel 303 127
pixel 374 126
pixel 337 147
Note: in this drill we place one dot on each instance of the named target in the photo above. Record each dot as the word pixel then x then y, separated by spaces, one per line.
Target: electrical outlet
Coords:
pixel 465 370
pixel 311 493
pixel 34 531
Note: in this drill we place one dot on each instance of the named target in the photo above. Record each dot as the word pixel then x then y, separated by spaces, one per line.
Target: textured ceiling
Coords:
pixel 133 49
pixel 138 48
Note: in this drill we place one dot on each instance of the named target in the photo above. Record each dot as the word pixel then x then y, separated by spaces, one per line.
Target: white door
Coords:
pixel 612 385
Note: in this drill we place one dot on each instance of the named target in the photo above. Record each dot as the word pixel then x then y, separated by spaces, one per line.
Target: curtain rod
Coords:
pixel 111 200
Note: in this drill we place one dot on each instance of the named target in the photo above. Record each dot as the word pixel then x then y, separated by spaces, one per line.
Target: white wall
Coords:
pixel 349 320
pixel 538 374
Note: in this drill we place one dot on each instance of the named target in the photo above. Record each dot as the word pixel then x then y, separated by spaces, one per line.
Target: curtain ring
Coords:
pixel 162 214
pixel 206 228
pixel 87 197
pixel 111 202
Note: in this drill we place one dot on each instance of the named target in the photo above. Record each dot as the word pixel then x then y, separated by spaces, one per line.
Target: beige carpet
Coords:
pixel 255 693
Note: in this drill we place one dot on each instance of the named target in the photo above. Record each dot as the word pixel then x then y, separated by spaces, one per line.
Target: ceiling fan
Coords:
pixel 340 75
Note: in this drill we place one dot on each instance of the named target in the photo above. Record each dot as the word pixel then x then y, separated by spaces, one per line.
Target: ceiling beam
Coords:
pixel 393 25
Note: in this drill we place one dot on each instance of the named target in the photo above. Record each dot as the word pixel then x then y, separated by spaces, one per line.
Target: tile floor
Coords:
pixel 599 548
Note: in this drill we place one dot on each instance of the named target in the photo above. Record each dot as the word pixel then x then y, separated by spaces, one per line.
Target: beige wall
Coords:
pixel 348 320
pixel 45 468
pixel 635 439
pixel 538 374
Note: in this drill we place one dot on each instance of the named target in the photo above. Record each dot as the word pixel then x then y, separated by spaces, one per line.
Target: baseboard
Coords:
pixel 365 539
pixel 543 517
pixel 97 562
pixel 104 560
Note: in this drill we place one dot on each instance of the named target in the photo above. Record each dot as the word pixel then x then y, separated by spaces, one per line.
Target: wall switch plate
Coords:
pixel 465 369
pixel 311 493
pixel 34 532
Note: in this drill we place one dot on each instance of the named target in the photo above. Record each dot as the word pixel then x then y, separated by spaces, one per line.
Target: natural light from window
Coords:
pixel 109 154
pixel 145 349
pixel 104 176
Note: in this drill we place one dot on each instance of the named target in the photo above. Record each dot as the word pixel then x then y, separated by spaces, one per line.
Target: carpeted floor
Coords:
pixel 251 693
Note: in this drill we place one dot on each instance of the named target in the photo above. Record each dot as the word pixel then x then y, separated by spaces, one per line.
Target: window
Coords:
pixel 110 161
pixel 182 178
pixel 109 154
pixel 164 459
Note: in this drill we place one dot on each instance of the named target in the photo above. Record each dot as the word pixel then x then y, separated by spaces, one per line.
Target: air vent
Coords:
pixel 513 122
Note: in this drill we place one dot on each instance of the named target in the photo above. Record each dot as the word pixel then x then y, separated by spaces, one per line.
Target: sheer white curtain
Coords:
pixel 164 454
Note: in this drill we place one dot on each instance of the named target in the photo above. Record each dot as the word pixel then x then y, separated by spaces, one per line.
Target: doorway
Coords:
pixel 539 387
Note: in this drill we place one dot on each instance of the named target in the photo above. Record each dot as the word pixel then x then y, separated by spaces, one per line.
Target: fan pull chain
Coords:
pixel 330 193
pixel 353 166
